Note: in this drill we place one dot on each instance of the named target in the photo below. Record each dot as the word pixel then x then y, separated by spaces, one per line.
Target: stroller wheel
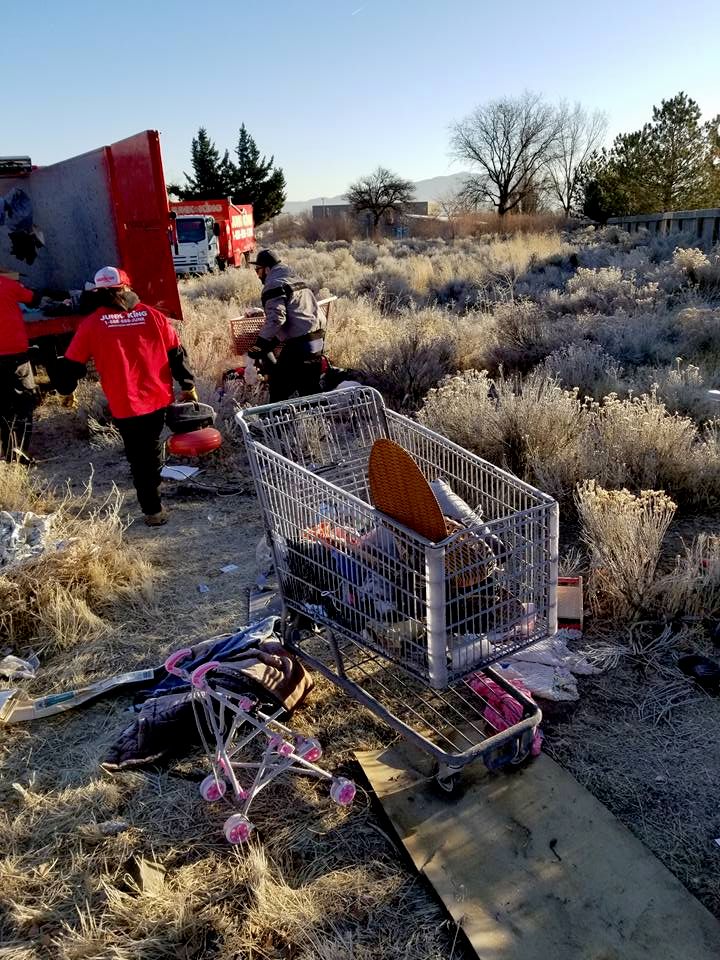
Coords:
pixel 237 828
pixel 280 746
pixel 342 791
pixel 309 749
pixel 212 789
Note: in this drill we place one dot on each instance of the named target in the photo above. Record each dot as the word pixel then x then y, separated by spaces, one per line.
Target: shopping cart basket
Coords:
pixel 406 626
pixel 233 726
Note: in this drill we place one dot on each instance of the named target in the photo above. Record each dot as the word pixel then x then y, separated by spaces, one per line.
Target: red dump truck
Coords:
pixel 108 206
pixel 211 235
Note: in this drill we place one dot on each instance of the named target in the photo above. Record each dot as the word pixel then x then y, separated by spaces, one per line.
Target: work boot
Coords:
pixel 156 519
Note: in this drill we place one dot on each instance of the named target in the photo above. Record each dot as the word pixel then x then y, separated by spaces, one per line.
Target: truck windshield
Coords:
pixel 190 229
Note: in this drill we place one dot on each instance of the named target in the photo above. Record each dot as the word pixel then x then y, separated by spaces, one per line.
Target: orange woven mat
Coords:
pixel 398 488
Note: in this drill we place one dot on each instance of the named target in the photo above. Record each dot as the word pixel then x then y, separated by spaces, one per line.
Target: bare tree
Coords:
pixel 380 192
pixel 509 141
pixel 579 134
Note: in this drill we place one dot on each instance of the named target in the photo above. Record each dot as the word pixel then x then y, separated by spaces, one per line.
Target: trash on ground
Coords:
pixel 20 711
pixel 203 588
pixel 229 568
pixel 23 537
pixel 178 472
pixel 15 668
pixel 96 832
pixel 252 664
pixel 570 603
pixel 549 667
pixel 147 875
pixel 238 708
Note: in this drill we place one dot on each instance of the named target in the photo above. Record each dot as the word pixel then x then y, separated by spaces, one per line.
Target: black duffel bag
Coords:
pixel 189 416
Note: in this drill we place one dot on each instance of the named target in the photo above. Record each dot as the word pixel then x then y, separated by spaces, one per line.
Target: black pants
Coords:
pixel 296 371
pixel 141 436
pixel 17 402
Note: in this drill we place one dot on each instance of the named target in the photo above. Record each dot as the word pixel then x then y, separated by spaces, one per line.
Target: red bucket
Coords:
pixel 194 444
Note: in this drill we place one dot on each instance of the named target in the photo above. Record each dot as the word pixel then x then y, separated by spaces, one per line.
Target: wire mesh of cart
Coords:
pixel 407 627
pixel 247 746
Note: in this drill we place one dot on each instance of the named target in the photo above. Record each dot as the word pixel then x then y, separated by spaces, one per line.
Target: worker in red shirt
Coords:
pixel 17 383
pixel 137 354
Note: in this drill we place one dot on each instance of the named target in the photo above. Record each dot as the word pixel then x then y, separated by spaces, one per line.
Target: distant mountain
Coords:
pixel 424 190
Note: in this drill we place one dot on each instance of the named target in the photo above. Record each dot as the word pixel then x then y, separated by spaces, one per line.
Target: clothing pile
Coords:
pixel 254 663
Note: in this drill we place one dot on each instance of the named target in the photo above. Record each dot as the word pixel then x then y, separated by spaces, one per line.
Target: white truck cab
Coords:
pixel 197 249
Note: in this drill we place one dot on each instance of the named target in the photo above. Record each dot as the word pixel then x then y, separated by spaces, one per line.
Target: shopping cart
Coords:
pixel 233 724
pixel 407 627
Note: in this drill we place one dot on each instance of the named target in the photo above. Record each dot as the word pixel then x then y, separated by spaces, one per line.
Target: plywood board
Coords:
pixel 535 868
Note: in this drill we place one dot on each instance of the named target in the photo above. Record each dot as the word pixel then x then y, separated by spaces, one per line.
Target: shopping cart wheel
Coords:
pixel 447 781
pixel 511 754
pixel 237 828
pixel 212 788
pixel 309 748
pixel 342 791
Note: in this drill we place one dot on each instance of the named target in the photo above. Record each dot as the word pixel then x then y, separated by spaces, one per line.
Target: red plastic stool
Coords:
pixel 194 444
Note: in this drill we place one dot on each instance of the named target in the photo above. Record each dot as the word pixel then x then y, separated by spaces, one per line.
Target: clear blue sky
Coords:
pixel 333 88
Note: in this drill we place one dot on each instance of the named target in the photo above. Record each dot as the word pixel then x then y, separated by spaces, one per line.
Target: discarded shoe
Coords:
pixel 156 519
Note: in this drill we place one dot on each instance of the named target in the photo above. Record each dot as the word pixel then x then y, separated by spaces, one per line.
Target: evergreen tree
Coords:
pixel 668 165
pixel 255 181
pixel 677 160
pixel 213 175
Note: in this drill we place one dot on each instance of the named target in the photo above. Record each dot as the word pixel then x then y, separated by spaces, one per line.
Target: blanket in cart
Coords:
pixel 254 662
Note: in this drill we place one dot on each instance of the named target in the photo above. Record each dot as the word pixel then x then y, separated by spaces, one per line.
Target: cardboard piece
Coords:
pixel 570 602
pixel 533 867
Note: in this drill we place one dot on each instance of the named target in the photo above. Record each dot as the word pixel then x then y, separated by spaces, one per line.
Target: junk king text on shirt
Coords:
pixel 131 319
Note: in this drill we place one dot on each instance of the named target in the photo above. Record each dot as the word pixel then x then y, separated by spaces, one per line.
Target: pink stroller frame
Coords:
pixel 230 725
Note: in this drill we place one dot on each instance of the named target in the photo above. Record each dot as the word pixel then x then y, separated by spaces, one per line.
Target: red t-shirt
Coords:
pixel 130 349
pixel 13 338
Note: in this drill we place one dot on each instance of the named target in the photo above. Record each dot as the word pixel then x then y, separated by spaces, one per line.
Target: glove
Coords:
pixel 189 396
pixel 69 402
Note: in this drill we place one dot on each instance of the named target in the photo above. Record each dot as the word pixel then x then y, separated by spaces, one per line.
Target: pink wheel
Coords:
pixel 212 789
pixel 281 746
pixel 237 828
pixel 309 749
pixel 342 791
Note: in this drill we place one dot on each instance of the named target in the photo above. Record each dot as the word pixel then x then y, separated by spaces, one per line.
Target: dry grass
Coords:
pixel 624 534
pixel 57 601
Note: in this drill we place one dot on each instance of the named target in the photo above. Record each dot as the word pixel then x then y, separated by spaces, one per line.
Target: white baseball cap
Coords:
pixel 111 277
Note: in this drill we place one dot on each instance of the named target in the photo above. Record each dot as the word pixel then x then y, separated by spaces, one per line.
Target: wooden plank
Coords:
pixel 535 868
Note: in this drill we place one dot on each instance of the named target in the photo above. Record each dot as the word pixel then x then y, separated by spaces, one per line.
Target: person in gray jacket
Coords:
pixel 294 320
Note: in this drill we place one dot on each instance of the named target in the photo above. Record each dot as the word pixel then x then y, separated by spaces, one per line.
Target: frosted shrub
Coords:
pixel 690 261
pixel 603 290
pixel 531 428
pixel 692 588
pixel 364 252
pixel 587 367
pixel 239 285
pixel 639 444
pixel 648 337
pixel 682 387
pixel 402 355
pixel 700 332
pixel 624 535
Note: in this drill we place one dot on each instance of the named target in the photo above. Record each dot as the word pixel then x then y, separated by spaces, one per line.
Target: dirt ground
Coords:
pixel 319 882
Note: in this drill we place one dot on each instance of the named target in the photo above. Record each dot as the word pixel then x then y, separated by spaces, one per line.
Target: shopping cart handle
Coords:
pixel 197 677
pixel 171 664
